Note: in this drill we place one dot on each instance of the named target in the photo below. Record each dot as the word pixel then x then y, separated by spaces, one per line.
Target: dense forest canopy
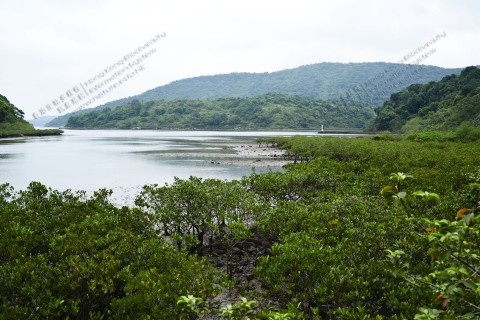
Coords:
pixel 8 112
pixel 371 83
pixel 442 105
pixel 270 111
pixel 12 123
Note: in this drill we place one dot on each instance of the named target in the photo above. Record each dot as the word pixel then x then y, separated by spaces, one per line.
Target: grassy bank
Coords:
pixel 24 129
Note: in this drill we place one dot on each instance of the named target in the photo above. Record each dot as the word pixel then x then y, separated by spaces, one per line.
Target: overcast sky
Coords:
pixel 49 46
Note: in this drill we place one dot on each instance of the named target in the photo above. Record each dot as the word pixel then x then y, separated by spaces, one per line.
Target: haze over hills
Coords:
pixel 41 121
pixel 368 83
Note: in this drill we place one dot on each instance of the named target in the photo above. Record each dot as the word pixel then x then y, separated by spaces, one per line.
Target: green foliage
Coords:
pixel 429 136
pixel 464 133
pixel 339 250
pixel 8 112
pixel 67 255
pixel 436 106
pixel 357 314
pixel 301 266
pixel 387 136
pixel 325 81
pixel 243 309
pixel 13 125
pixel 333 229
pixel 195 212
pixel 190 307
pixel 455 254
pixel 467 133
pixel 25 130
pixel 11 119
pixel 270 111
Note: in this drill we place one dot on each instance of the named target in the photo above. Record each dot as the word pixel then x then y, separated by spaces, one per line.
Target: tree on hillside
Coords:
pixel 8 112
pixel 442 105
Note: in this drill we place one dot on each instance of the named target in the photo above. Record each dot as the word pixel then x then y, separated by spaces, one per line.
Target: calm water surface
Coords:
pixel 121 160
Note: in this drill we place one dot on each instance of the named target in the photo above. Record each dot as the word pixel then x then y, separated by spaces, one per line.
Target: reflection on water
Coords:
pixel 9 155
pixel 122 160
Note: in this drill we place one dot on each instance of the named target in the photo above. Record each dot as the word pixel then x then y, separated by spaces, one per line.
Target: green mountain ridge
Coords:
pixel 435 106
pixel 269 111
pixel 12 123
pixel 370 83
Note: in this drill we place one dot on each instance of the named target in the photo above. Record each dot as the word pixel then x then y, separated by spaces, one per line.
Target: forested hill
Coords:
pixel 12 123
pixel 374 83
pixel 442 105
pixel 270 111
pixel 8 112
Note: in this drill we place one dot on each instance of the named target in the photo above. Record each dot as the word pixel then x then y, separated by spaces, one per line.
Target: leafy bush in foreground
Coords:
pixel 66 255
pixel 339 249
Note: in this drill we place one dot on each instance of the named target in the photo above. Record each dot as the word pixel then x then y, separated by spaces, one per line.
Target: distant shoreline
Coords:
pixel 353 131
pixel 36 133
pixel 198 129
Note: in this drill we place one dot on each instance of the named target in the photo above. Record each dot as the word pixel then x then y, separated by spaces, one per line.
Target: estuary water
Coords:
pixel 124 161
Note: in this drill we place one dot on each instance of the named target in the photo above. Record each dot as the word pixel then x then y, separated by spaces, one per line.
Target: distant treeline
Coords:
pixel 269 111
pixel 371 83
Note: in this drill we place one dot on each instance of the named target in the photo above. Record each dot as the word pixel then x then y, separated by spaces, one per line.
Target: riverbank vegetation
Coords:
pixel 360 228
pixel 13 125
pixel 269 111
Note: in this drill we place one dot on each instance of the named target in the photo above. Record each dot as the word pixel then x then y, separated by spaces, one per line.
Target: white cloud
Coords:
pixel 49 46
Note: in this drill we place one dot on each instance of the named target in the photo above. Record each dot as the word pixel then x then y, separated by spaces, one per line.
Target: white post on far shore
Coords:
pixel 322 127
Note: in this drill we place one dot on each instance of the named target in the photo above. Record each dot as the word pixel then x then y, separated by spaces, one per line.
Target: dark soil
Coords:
pixel 238 261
